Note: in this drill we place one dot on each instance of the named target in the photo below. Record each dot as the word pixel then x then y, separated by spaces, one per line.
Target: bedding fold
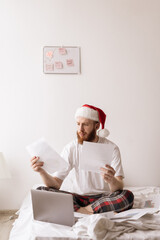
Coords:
pixel 98 227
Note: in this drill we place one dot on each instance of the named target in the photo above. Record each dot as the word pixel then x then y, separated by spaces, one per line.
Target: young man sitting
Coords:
pixel 92 192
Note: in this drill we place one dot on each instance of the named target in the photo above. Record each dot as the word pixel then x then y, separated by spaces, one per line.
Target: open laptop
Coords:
pixel 53 207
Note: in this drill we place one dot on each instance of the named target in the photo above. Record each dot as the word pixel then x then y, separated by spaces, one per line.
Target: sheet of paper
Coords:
pixel 108 215
pixel 133 214
pixel 95 155
pixel 152 202
pixel 52 160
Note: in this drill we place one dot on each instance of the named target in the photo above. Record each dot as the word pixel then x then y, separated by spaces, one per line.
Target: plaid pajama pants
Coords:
pixel 117 201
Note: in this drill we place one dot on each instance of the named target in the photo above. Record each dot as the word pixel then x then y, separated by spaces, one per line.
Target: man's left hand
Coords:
pixel 108 173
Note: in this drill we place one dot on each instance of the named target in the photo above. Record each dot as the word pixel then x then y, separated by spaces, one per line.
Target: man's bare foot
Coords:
pixel 85 210
pixel 89 209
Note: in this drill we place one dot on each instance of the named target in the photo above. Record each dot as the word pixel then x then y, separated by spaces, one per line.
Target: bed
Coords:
pixel 96 226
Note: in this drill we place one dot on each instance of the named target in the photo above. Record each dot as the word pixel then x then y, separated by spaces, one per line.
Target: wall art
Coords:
pixel 61 60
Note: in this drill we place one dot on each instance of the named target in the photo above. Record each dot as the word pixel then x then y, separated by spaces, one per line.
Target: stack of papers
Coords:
pixel 133 214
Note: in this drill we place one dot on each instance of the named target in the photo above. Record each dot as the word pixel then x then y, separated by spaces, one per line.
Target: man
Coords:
pixel 92 192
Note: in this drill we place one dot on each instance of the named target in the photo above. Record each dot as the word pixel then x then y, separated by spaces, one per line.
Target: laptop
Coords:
pixel 53 207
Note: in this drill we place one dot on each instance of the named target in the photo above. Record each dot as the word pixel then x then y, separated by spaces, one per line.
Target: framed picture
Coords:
pixel 61 60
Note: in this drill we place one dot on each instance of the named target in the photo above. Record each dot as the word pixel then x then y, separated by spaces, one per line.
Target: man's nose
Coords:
pixel 81 127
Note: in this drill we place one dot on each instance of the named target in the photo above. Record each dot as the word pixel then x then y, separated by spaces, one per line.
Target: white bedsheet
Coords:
pixel 90 227
pixel 100 228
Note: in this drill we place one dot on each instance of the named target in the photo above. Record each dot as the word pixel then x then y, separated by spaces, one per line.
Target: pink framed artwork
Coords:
pixel 61 59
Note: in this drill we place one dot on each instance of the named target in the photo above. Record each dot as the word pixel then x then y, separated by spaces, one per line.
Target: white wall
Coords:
pixel 120 56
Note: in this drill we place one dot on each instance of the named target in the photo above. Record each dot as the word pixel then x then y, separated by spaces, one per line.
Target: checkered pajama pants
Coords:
pixel 117 201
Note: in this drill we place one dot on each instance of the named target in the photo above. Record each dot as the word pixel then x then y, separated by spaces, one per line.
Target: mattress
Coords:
pixel 96 226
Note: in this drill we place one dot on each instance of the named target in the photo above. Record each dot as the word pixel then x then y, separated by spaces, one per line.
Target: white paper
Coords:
pixel 108 215
pixel 152 202
pixel 133 214
pixel 95 155
pixel 52 160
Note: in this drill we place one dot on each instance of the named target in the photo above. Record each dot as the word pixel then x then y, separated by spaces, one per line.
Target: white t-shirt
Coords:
pixel 85 182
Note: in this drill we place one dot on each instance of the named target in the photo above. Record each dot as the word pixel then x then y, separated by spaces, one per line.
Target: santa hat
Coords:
pixel 95 114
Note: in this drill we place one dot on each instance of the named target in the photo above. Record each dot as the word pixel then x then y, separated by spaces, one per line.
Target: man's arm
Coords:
pixel 48 180
pixel 115 183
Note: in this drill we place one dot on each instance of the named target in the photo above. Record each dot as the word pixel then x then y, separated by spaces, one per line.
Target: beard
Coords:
pixel 89 138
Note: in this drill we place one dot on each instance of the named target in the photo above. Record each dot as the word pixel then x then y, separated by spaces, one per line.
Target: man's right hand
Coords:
pixel 37 165
pixel 48 180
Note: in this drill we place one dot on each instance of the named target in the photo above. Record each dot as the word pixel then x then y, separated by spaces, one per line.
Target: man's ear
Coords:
pixel 97 125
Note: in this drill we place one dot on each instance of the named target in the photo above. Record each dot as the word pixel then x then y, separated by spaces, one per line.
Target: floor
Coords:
pixel 7 218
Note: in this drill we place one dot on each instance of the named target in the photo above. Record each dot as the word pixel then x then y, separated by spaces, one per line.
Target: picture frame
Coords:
pixel 61 60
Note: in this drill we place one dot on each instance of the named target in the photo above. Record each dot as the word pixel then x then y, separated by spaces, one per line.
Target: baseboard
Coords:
pixel 8 211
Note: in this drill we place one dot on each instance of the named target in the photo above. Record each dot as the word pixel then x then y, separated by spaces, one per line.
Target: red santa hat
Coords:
pixel 95 114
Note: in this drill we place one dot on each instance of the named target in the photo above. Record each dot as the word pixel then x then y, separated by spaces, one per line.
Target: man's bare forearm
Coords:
pixel 116 184
pixel 50 181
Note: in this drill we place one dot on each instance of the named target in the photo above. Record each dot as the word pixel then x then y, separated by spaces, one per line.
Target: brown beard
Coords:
pixel 90 137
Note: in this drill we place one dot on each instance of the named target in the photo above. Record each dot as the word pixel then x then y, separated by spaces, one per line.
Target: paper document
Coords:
pixel 152 202
pixel 95 155
pixel 108 215
pixel 52 160
pixel 133 214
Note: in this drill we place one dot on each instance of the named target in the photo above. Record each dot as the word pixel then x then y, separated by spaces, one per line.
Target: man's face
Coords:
pixel 86 129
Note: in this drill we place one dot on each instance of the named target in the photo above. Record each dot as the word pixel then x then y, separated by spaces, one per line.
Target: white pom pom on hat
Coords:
pixel 103 132
pixel 95 114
